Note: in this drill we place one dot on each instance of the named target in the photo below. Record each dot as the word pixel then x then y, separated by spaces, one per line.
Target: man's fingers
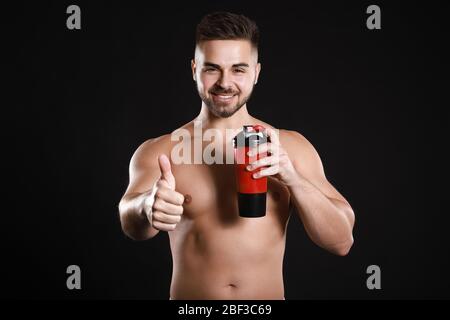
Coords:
pixel 163 226
pixel 166 170
pixel 165 218
pixel 266 161
pixel 272 170
pixel 262 148
pixel 167 208
pixel 170 195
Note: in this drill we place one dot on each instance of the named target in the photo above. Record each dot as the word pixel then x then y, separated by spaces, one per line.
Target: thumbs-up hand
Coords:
pixel 164 205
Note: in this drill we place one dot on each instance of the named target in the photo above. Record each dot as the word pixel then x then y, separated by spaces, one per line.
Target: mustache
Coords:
pixel 219 90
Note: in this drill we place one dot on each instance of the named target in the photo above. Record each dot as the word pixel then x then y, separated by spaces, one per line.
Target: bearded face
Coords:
pixel 225 72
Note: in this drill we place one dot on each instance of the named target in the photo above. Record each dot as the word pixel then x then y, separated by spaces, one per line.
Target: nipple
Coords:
pixel 187 198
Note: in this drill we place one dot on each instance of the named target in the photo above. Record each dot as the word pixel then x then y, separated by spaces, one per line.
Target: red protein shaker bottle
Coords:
pixel 251 191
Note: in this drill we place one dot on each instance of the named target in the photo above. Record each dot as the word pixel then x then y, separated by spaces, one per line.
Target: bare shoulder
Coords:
pixel 294 142
pixel 301 152
pixel 146 155
pixel 292 137
pixel 299 149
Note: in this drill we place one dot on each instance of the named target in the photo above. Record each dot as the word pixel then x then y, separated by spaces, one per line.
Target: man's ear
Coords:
pixel 193 67
pixel 258 70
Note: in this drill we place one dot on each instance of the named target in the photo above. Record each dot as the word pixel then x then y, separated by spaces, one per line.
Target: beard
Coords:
pixel 223 110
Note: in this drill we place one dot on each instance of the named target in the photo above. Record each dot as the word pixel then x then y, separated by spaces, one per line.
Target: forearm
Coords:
pixel 328 222
pixel 135 223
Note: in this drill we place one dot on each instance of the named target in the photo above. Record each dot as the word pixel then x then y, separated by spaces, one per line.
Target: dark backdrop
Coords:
pixel 83 101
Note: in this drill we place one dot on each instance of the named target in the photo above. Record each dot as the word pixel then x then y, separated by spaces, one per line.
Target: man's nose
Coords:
pixel 225 80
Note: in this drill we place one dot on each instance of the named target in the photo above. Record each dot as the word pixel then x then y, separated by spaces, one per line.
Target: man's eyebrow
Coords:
pixel 210 64
pixel 242 64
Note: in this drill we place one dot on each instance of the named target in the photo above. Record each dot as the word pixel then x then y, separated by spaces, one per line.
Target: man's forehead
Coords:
pixel 225 52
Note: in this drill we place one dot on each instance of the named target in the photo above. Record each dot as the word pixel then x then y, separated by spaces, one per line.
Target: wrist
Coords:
pixel 294 181
pixel 300 184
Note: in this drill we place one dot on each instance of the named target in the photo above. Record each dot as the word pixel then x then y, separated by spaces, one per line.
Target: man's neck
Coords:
pixel 236 121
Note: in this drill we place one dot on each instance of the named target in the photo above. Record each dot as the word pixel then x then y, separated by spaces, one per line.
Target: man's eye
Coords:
pixel 239 70
pixel 210 70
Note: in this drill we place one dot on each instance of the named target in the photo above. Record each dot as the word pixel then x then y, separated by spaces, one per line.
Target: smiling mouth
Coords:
pixel 223 96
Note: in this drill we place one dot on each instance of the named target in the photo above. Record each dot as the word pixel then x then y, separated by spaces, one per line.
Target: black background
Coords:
pixel 83 100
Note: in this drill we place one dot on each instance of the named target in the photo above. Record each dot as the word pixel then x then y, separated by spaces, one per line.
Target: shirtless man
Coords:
pixel 217 254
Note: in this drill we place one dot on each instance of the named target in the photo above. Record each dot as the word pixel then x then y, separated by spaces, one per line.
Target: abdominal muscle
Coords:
pixel 242 260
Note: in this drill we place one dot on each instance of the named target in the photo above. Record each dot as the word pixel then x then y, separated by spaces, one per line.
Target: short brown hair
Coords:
pixel 227 26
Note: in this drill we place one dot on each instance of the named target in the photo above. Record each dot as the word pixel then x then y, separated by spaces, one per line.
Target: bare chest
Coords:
pixel 211 190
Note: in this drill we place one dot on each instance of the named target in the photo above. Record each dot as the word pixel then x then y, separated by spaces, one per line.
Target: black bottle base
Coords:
pixel 252 205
